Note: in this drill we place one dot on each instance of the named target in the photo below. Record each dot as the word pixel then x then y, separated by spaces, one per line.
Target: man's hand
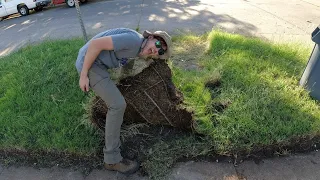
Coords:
pixel 84 83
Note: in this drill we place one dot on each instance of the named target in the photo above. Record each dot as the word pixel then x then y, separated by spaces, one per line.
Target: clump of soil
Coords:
pixel 221 106
pixel 213 84
pixel 151 97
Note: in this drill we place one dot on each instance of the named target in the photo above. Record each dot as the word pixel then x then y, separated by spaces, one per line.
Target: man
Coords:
pixel 111 49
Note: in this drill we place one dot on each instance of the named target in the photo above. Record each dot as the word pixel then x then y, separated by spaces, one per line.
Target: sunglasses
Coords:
pixel 161 50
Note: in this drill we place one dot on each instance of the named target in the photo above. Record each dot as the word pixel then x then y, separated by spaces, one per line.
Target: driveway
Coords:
pixel 292 20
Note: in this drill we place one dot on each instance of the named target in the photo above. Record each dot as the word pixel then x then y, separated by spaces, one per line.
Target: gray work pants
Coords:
pixel 104 87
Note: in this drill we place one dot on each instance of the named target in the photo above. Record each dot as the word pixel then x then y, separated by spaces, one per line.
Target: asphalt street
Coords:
pixel 292 20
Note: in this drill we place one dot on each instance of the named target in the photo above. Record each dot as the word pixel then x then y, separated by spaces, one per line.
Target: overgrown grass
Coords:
pixel 257 100
pixel 244 93
pixel 40 102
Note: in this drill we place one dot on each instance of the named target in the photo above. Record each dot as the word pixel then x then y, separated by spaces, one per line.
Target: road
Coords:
pixel 291 20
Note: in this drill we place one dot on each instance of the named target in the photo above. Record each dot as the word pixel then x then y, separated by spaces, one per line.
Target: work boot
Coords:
pixel 125 166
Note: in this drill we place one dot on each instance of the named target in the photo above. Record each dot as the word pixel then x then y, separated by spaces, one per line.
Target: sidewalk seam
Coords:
pixel 239 175
pixel 310 3
pixel 2 170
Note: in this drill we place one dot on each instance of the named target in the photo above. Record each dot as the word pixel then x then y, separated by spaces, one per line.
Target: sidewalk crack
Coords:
pixel 310 3
pixel 2 169
pixel 240 176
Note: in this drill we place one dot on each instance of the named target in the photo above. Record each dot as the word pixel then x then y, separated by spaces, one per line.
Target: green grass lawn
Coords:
pixel 40 102
pixel 244 93
pixel 252 97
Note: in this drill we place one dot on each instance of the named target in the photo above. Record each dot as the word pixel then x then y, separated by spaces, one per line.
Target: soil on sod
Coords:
pixel 151 97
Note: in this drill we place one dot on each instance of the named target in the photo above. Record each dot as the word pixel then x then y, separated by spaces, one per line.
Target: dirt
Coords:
pixel 43 159
pixel 292 146
pixel 213 84
pixel 138 147
pixel 134 147
pixel 151 97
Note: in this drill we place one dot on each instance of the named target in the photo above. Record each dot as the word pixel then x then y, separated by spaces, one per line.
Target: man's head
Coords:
pixel 158 45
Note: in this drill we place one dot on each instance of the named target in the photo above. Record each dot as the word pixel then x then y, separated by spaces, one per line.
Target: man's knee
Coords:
pixel 119 105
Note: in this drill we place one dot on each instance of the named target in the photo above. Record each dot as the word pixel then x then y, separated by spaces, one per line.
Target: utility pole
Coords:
pixel 81 21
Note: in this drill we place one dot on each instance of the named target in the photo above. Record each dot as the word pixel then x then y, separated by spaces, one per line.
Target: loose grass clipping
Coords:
pixel 151 97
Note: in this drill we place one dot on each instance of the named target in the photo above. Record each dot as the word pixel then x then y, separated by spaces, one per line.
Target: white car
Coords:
pixel 8 7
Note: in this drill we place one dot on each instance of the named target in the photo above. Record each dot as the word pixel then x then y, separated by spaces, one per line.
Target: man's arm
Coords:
pixel 94 49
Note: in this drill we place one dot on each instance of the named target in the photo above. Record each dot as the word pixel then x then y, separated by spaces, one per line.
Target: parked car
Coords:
pixel 70 3
pixel 8 7
pixel 43 3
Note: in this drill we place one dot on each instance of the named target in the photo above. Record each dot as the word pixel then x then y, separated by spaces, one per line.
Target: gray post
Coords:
pixel 310 78
pixel 81 21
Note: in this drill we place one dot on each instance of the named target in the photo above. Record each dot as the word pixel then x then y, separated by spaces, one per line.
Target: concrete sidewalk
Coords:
pixel 302 167
pixel 291 20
